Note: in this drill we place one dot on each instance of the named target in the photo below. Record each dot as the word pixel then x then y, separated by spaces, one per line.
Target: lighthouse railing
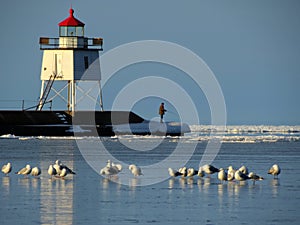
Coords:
pixel 70 43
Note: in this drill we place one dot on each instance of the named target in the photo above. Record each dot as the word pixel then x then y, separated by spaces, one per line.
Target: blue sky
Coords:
pixel 252 47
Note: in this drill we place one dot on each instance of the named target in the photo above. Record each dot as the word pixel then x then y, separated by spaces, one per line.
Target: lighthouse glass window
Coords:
pixel 71 31
pixel 79 31
pixel 63 31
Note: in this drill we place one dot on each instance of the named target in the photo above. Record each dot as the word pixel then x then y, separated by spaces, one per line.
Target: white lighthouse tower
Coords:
pixel 71 58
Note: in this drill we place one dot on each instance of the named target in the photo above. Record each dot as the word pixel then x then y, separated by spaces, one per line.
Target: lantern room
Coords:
pixel 71 36
pixel 71 33
pixel 71 27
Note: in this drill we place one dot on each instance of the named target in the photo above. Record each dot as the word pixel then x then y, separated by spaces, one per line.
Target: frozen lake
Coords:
pixel 88 198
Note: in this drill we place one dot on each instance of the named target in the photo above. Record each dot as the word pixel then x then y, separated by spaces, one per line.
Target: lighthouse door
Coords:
pixel 58 65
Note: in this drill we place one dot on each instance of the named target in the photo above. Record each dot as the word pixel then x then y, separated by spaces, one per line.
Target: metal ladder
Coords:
pixel 46 92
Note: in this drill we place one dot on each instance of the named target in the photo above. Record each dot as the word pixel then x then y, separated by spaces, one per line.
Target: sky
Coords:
pixel 251 47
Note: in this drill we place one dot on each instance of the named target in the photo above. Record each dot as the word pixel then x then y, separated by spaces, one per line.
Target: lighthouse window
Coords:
pixel 86 62
pixel 63 31
pixel 71 31
pixel 79 31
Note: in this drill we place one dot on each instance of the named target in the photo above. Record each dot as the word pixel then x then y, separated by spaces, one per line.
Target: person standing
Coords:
pixel 162 111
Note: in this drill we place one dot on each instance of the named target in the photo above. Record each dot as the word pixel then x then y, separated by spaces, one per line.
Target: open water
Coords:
pixel 88 198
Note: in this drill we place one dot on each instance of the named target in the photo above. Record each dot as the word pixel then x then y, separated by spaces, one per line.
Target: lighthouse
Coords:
pixel 71 73
pixel 71 59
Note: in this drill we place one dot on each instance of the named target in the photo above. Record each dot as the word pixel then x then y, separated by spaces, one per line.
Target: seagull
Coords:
pixel 111 169
pixel 183 171
pixel 64 172
pixel 244 170
pixel 135 170
pixel 25 171
pixel 275 171
pixel 254 177
pixel 200 172
pixel 209 169
pixel 36 171
pixel 174 173
pixel 6 169
pixel 117 166
pixel 110 164
pixel 238 175
pixel 222 175
pixel 230 173
pixel 191 172
pixel 58 166
pixel 52 171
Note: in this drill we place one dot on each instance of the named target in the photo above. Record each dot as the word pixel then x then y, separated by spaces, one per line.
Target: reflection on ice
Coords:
pixel 200 183
pixel 36 183
pixel 6 185
pixel 220 190
pixel 190 182
pixel 56 201
pixel 207 181
pixel 110 182
pixel 24 182
pixel 171 182
pixel 207 185
pixel 136 181
pixel 275 185
pixel 56 198
pixel 182 182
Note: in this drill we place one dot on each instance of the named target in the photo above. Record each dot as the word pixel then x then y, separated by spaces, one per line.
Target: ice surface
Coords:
pixel 233 129
pixel 88 198
pixel 199 133
pixel 8 136
pixel 246 134
pixel 152 127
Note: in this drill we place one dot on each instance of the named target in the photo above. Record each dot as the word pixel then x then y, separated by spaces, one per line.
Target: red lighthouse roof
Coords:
pixel 71 21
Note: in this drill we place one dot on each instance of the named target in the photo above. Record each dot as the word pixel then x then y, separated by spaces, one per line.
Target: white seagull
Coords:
pixel 117 166
pixel 238 175
pixel 174 173
pixel 191 172
pixel 135 170
pixel 111 169
pixel 36 171
pixel 253 176
pixel 52 171
pixel 275 171
pixel 230 173
pixel 183 171
pixel 6 169
pixel 25 171
pixel 110 164
pixel 209 169
pixel 244 170
pixel 58 166
pixel 64 172
pixel 200 172
pixel 222 175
